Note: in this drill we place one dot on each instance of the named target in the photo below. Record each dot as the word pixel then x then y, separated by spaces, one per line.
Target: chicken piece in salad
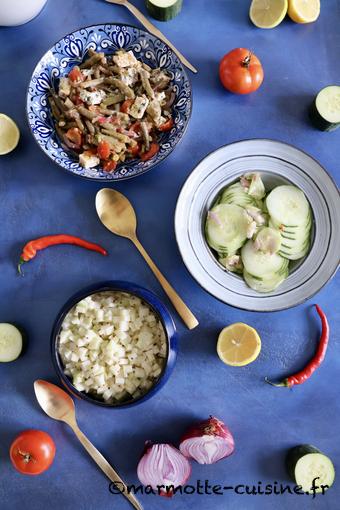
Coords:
pixel 112 108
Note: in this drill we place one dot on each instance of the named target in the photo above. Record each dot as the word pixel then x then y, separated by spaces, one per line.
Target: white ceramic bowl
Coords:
pixel 18 12
pixel 278 163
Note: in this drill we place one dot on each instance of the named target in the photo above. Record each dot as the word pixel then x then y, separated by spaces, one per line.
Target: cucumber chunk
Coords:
pixel 306 463
pixel 226 228
pixel 164 10
pixel 11 342
pixel 325 109
pixel 260 264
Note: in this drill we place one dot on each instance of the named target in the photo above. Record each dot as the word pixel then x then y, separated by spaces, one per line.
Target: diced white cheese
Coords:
pixel 64 87
pixel 139 107
pixel 92 97
pixel 125 59
pixel 128 75
pixel 88 160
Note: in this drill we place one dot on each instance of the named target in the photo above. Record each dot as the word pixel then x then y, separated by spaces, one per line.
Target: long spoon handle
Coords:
pixel 151 28
pixel 187 316
pixel 104 465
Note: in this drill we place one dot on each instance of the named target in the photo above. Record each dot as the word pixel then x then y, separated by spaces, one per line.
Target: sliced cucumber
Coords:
pixel 236 194
pixel 268 240
pixel 11 342
pixel 267 284
pixel 295 255
pixel 288 206
pixel 306 463
pixel 164 10
pixel 325 110
pixel 261 264
pixel 226 228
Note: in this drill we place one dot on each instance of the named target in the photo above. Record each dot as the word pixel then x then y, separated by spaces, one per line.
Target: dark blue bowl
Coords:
pixel 157 307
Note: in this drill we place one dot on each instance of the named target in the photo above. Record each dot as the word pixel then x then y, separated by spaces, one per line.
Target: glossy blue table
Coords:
pixel 38 198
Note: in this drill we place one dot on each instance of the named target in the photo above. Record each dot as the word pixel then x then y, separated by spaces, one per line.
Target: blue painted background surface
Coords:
pixel 38 198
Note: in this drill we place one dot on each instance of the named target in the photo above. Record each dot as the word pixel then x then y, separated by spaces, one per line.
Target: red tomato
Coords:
pixel 109 166
pixel 134 151
pixel 154 148
pixel 75 136
pixel 76 75
pixel 241 71
pixel 32 452
pixel 104 149
pixel 126 105
pixel 166 126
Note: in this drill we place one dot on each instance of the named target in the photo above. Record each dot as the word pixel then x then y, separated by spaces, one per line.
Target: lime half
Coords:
pixel 9 134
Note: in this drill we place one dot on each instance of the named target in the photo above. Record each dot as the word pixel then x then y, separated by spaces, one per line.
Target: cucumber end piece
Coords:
pixel 164 10
pixel 11 342
pixel 308 467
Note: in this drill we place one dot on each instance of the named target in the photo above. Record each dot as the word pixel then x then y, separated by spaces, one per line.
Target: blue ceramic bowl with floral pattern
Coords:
pixel 71 51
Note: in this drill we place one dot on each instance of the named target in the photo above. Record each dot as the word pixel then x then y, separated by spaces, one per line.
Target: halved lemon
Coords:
pixel 9 134
pixel 268 13
pixel 238 344
pixel 304 11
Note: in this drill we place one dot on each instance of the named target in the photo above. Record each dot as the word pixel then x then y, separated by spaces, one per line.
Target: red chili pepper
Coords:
pixel 315 362
pixel 31 248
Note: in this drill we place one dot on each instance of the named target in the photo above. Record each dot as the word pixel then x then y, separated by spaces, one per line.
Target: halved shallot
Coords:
pixel 163 467
pixel 207 441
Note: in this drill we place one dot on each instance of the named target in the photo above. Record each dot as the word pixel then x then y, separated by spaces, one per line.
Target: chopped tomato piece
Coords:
pixel 134 151
pixel 135 128
pixel 104 149
pixel 77 101
pixel 76 75
pixel 126 105
pixel 167 125
pixel 75 136
pixel 154 148
pixel 109 166
pixel 102 120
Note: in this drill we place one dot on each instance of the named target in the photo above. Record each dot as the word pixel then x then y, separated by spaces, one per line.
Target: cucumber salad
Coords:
pixel 258 233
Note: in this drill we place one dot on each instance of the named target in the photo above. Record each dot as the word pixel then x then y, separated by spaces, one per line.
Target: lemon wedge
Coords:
pixel 268 13
pixel 238 344
pixel 9 134
pixel 304 11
